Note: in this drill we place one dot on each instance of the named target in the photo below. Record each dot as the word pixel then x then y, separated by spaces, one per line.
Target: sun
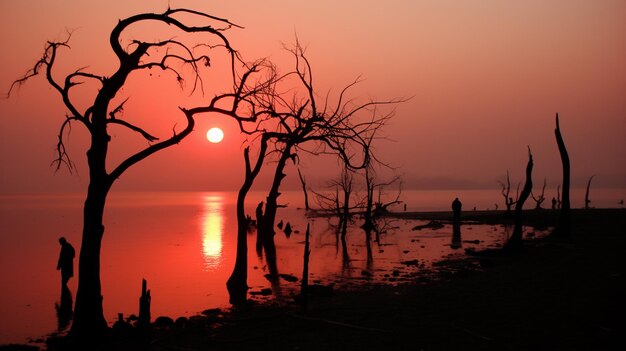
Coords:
pixel 215 135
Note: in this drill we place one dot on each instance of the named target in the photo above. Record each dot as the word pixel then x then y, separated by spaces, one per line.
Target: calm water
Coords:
pixel 184 245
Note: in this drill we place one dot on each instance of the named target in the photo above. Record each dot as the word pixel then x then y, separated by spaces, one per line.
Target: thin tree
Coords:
pixel 563 227
pixel 374 209
pixel 506 192
pixel 237 282
pixel 539 199
pixel 515 241
pixel 171 56
pixel 304 190
pixel 587 201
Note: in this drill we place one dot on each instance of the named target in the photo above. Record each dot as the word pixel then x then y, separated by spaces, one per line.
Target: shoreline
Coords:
pixel 555 294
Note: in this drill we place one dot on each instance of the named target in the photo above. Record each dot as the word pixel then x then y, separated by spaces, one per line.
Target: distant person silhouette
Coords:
pixel 553 203
pixel 66 261
pixel 456 209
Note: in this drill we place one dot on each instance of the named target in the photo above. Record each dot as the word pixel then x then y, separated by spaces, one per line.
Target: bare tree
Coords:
pixel 374 209
pixel 587 201
pixel 506 192
pixel 564 226
pixel 237 282
pixel 515 241
pixel 172 56
pixel 539 199
pixel 304 190
pixel 303 121
pixel 340 203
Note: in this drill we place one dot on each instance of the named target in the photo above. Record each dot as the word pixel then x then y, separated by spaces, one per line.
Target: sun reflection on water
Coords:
pixel 212 229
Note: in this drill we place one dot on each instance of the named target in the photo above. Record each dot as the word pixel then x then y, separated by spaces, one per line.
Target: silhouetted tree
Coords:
pixel 172 56
pixel 368 223
pixel 506 192
pixel 515 241
pixel 587 201
pixel 287 122
pixel 302 120
pixel 345 186
pixel 563 228
pixel 340 203
pixel 237 282
pixel 304 190
pixel 373 209
pixel 539 199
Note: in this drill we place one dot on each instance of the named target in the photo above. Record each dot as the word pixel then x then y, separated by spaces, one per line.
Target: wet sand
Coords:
pixel 556 294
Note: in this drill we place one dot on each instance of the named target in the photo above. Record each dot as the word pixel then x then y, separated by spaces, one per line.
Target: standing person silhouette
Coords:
pixel 66 261
pixel 456 209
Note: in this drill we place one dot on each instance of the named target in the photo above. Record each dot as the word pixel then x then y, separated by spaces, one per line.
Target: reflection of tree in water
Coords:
pixel 64 309
pixel 368 245
pixel 273 275
pixel 345 257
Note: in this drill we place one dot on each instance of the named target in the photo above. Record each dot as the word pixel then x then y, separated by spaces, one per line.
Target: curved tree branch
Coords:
pixel 174 139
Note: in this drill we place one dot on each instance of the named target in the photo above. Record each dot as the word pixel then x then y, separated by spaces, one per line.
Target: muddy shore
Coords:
pixel 556 294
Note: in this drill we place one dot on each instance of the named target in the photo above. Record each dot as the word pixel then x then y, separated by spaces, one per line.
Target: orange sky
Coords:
pixel 485 77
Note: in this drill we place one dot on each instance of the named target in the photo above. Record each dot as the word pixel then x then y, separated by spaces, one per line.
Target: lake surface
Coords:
pixel 183 244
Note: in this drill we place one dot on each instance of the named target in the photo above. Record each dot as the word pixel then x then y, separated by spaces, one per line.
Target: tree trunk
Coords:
pixel 368 220
pixel 345 215
pixel 515 241
pixel 563 228
pixel 587 201
pixel 306 194
pixel 89 322
pixel 237 284
pixel 271 206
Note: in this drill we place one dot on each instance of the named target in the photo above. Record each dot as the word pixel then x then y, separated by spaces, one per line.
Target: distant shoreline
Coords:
pixel 542 217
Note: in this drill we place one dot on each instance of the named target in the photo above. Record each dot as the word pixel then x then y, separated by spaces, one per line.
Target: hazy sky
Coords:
pixel 486 79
